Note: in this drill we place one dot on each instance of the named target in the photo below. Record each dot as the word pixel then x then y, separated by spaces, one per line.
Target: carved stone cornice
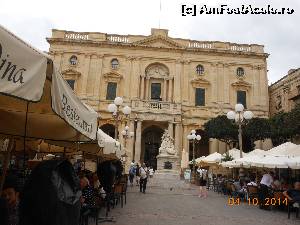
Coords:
pixel 71 72
pixel 200 82
pixel 213 51
pixel 113 76
pixel 241 84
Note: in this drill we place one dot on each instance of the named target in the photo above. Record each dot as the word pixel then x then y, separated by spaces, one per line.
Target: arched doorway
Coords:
pixel 151 143
pixel 108 129
pixel 202 147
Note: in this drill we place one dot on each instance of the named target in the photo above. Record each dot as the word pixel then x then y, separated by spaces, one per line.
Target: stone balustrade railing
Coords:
pixel 76 36
pixel 198 44
pixel 117 38
pixel 155 106
pixel 243 48
pixel 189 44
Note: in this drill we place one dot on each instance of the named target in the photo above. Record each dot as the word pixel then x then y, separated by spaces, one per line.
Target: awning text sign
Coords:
pixel 22 68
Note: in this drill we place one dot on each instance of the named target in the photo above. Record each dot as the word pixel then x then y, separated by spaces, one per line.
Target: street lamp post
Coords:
pixel 193 137
pixel 114 108
pixel 240 118
pixel 126 135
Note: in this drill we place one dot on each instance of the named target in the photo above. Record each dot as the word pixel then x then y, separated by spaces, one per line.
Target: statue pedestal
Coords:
pixel 168 164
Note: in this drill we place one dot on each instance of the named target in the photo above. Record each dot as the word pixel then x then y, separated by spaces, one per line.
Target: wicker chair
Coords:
pixel 252 191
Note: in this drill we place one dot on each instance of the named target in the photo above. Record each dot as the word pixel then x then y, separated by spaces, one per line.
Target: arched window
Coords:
pixel 114 64
pixel 73 60
pixel 199 69
pixel 240 72
pixel 108 129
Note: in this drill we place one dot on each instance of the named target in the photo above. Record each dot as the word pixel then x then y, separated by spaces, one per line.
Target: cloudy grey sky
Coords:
pixel 33 20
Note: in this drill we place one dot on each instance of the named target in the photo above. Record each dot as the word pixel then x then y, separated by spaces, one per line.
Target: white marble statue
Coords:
pixel 167 145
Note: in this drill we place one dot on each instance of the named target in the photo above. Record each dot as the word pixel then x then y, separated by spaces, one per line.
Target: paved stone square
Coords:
pixel 173 202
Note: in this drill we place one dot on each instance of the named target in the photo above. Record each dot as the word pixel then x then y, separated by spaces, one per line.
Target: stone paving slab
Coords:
pixel 162 206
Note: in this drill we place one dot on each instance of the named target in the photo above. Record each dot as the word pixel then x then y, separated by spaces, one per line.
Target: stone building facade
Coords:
pixel 170 83
pixel 285 93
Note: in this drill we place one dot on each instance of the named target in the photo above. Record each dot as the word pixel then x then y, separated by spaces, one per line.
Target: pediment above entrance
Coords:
pixel 71 72
pixel 158 42
pixel 241 84
pixel 113 75
pixel 200 82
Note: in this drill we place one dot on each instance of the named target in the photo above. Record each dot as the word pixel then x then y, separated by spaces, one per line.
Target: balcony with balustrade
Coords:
pixel 156 107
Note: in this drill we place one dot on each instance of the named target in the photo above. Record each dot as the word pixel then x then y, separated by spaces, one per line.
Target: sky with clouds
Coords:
pixel 33 20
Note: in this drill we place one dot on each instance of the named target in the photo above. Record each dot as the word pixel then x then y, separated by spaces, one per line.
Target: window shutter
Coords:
pixel 156 91
pixel 241 98
pixel 200 97
pixel 111 91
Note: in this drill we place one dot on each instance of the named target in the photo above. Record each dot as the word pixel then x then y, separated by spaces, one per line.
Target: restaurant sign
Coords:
pixel 22 68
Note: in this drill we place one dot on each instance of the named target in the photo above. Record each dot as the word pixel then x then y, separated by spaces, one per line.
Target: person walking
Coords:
pixel 132 173
pixel 137 174
pixel 202 183
pixel 151 172
pixel 143 180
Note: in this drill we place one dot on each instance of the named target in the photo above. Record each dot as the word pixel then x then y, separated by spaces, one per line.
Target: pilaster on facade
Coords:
pixel 138 149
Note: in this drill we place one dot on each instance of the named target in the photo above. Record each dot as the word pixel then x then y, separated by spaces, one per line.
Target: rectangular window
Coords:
pixel 241 98
pixel 111 91
pixel 200 97
pixel 71 83
pixel 156 91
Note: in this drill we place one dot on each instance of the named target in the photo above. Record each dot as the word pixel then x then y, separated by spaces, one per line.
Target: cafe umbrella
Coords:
pixel 35 101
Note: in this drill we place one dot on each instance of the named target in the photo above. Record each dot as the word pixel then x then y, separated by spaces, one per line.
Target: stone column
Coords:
pixel 164 98
pixel 142 87
pixel 130 143
pixel 137 157
pixel 147 88
pixel 178 139
pixel 170 90
pixel 170 129
pixel 184 138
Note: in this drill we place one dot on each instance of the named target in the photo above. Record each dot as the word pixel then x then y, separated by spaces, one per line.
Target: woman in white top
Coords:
pixel 151 172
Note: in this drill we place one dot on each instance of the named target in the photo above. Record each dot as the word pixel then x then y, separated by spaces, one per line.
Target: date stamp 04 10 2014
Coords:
pixel 255 201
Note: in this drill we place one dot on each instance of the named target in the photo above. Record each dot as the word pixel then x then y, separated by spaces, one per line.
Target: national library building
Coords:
pixel 170 84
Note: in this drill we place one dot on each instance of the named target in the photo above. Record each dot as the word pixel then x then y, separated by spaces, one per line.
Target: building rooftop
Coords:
pixel 283 79
pixel 157 36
